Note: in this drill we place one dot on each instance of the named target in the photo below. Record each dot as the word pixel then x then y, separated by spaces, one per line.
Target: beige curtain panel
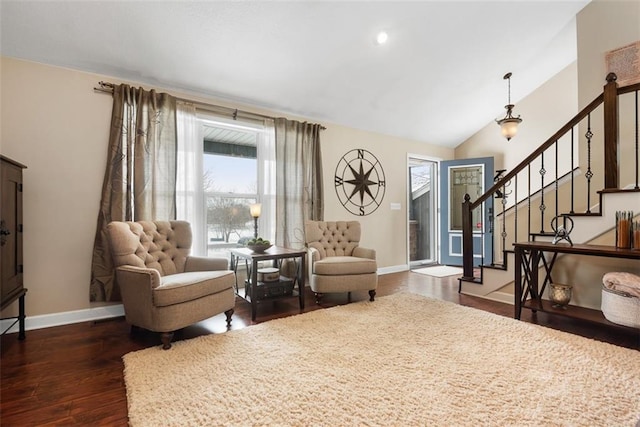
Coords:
pixel 140 177
pixel 299 194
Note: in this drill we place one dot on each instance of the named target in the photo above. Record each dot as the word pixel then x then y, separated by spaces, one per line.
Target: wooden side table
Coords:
pixel 530 284
pixel 276 255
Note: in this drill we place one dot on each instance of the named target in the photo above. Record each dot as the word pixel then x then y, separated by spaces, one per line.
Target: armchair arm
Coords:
pixel 137 277
pixel 205 264
pixel 364 253
pixel 137 285
pixel 313 255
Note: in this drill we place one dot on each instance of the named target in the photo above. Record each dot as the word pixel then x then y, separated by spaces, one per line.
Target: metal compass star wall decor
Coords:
pixel 360 182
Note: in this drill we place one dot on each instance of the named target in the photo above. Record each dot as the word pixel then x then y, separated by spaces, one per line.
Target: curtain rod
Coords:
pixel 107 87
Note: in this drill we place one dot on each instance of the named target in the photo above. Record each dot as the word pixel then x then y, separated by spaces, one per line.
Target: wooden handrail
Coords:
pixel 627 89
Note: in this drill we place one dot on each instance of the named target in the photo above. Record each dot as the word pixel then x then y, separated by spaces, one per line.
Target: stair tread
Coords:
pixel 502 267
pixel 470 280
pixel 584 214
pixel 620 190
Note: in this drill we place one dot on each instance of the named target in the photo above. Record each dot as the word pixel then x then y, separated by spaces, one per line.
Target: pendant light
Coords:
pixel 509 124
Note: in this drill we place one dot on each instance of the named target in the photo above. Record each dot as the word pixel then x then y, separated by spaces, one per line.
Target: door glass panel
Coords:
pixel 422 211
pixel 464 180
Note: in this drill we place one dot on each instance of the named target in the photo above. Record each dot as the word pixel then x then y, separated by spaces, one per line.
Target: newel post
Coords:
pixel 467 239
pixel 611 165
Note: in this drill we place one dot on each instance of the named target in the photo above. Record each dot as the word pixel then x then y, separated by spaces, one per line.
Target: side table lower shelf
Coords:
pixel 283 288
pixel 574 312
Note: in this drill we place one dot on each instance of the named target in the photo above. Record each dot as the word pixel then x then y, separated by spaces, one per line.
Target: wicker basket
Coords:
pixel 620 307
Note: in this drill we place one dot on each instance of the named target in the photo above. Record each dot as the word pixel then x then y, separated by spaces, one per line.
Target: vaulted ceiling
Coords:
pixel 438 78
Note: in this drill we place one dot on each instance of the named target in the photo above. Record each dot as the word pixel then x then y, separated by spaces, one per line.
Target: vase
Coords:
pixel 559 295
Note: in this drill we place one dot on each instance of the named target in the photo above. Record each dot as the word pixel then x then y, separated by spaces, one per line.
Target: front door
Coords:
pixel 457 178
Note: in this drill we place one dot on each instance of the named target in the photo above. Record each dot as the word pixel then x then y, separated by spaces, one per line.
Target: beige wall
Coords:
pixel 384 230
pixel 602 26
pixel 53 122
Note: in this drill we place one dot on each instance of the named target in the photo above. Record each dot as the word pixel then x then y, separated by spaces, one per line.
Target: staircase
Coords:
pixel 575 174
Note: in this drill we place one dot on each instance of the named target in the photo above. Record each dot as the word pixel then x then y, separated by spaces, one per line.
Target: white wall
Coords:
pixel 53 122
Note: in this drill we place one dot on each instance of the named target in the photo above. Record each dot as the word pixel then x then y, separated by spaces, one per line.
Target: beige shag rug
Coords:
pixel 401 360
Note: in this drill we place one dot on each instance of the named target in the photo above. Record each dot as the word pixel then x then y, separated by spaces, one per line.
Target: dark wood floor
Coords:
pixel 72 375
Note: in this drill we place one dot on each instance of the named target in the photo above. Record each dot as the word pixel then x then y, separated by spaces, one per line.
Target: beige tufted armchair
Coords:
pixel 163 288
pixel 336 262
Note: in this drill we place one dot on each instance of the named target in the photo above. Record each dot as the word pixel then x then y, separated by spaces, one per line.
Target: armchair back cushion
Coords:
pixel 161 245
pixel 333 238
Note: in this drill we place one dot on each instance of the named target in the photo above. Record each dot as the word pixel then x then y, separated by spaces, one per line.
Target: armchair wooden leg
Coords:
pixel 349 297
pixel 372 294
pixel 166 338
pixel 229 313
pixel 318 297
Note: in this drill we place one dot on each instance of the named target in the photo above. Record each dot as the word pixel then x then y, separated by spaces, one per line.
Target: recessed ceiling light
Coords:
pixel 382 37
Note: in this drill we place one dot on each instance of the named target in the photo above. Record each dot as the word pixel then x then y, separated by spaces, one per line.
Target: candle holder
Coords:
pixel 559 295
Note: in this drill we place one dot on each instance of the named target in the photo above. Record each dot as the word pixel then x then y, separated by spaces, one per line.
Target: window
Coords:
pixel 230 183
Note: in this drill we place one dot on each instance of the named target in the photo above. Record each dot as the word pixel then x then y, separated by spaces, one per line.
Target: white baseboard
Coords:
pixel 500 297
pixel 393 269
pixel 65 318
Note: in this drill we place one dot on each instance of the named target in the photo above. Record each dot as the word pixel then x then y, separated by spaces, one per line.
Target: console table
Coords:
pixel 275 254
pixel 528 291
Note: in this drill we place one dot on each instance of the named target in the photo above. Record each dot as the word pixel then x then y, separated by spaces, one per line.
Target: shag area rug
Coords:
pixel 439 271
pixel 401 360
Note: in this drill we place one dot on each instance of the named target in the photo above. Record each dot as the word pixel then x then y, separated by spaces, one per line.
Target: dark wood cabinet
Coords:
pixel 11 267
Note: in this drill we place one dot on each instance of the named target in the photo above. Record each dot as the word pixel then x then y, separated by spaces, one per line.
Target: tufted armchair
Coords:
pixel 163 288
pixel 336 262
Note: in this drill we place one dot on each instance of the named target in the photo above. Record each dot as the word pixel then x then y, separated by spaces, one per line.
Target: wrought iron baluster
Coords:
pixel 589 173
pixel 529 203
pixel 637 159
pixel 556 145
pixel 515 207
pixel 492 219
pixel 483 235
pixel 572 170
pixel 542 205
pixel 503 234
